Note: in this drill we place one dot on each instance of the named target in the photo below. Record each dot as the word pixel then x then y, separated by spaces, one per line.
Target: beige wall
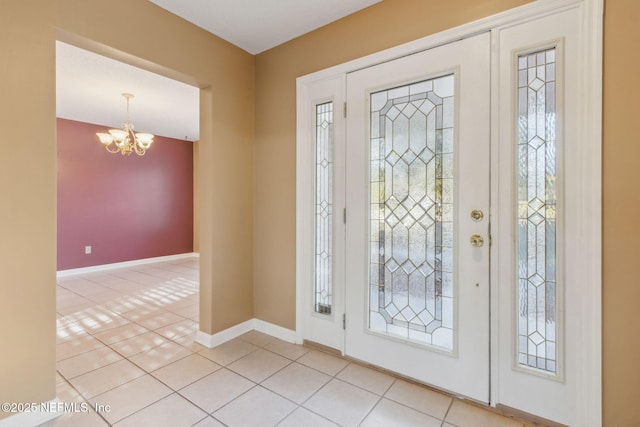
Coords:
pixel 28 204
pixel 621 195
pixel 145 36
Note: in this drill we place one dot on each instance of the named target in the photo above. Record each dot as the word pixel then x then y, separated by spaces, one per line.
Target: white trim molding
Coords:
pixel 590 133
pixel 276 331
pixel 211 341
pixel 103 267
pixel 535 9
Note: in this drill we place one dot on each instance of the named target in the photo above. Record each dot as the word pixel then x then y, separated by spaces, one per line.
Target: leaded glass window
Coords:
pixel 412 205
pixel 536 229
pixel 324 208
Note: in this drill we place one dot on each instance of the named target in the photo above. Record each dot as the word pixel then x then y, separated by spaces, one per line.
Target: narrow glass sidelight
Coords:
pixel 411 212
pixel 324 208
pixel 537 232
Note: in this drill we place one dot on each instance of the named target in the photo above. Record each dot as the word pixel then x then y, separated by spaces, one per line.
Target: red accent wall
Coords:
pixel 124 207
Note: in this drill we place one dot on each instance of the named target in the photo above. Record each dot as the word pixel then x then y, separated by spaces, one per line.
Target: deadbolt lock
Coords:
pixel 477 215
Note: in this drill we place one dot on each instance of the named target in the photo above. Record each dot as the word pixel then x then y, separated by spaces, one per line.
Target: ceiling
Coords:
pixel 89 89
pixel 89 86
pixel 258 25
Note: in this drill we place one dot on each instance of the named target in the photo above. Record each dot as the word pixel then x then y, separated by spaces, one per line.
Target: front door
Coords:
pixel 417 205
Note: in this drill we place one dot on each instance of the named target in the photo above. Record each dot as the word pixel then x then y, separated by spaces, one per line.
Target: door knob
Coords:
pixel 476 240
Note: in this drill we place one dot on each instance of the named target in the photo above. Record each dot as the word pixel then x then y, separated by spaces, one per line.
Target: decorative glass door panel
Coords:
pixel 536 183
pixel 323 290
pixel 417 172
pixel 411 172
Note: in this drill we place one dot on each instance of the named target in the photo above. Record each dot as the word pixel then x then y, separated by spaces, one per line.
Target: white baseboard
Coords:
pixel 95 268
pixel 275 331
pixel 32 419
pixel 221 337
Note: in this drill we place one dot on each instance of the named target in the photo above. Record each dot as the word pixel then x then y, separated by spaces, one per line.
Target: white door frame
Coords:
pixel 590 156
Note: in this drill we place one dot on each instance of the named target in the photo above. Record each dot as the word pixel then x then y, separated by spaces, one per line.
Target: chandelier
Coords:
pixel 124 141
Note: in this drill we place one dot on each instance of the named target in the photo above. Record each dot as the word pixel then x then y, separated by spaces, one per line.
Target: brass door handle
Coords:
pixel 476 240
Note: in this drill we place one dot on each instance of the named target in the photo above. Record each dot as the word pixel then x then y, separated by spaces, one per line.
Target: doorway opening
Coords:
pixel 127 225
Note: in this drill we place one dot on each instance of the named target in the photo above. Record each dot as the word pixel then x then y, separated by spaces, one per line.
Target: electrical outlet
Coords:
pixel 87 250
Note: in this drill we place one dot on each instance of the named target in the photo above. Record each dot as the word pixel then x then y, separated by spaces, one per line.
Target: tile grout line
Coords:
pixel 264 388
pixel 380 397
pixel 291 362
pixel 395 379
pixel 446 414
pixel 86 400
pixel 332 377
pixel 142 376
pixel 115 342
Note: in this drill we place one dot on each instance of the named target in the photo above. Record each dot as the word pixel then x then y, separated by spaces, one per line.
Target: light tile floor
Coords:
pixel 126 340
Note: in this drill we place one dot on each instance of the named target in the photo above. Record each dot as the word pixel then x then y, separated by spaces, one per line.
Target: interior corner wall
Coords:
pixel 382 26
pixel 125 207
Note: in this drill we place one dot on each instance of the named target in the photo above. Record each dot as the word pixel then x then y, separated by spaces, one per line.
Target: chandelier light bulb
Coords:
pixel 105 138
